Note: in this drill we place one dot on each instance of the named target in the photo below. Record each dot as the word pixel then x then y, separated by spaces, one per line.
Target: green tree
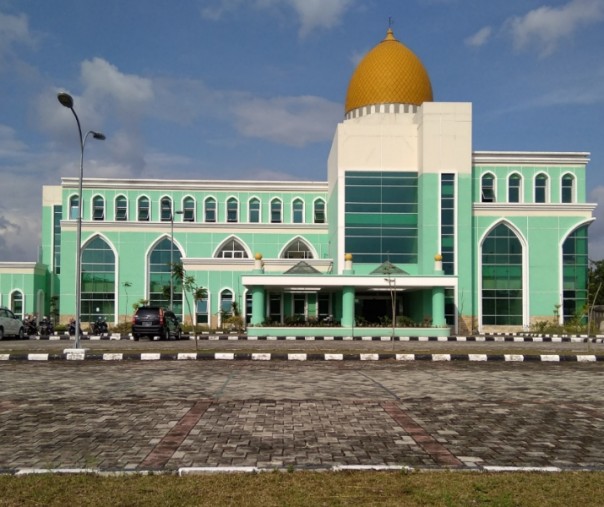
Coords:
pixel 596 282
pixel 189 286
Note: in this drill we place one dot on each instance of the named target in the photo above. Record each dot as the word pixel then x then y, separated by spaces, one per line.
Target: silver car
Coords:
pixel 10 324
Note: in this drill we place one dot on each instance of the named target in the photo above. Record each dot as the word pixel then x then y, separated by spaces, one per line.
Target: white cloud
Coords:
pixel 312 14
pixel 10 146
pixel 545 27
pixel 294 121
pixel 480 38
pixel 13 30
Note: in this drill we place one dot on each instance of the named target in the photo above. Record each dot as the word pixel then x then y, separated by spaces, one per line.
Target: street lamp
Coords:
pixel 172 255
pixel 66 100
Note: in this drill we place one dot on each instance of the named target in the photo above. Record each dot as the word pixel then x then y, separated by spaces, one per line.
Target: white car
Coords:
pixel 10 324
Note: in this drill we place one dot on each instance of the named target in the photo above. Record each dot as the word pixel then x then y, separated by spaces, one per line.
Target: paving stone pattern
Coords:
pixel 165 415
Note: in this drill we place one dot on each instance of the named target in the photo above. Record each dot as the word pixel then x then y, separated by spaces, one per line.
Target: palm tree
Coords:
pixel 189 285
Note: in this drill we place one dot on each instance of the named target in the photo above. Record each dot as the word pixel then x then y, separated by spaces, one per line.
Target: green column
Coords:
pixel 258 308
pixel 438 306
pixel 348 306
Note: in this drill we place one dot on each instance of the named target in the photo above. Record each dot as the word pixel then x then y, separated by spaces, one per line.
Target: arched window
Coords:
pixel 121 208
pixel 226 303
pixel 502 278
pixel 232 249
pixel 144 210
pixel 188 206
pixel 201 311
pixel 297 249
pixel 98 208
pixel 575 273
pixel 16 303
pixel 98 281
pixel 232 210
pixel 568 187
pixel 487 188
pixel 74 207
pixel 319 212
pixel 166 209
pixel 160 273
pixel 298 211
pixel 541 188
pixel 276 211
pixel 210 210
pixel 514 187
pixel 254 211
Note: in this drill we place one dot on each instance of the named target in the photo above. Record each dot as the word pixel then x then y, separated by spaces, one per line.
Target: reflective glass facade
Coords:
pixel 159 276
pixel 98 281
pixel 381 216
pixel 575 271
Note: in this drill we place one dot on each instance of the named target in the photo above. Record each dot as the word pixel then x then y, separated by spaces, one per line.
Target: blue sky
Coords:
pixel 253 89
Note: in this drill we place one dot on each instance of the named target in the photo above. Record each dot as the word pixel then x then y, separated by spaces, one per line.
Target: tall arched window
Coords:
pixel 121 208
pixel 232 210
pixel 232 249
pixel 298 211
pixel 144 210
pixel 568 188
pixel 98 281
pixel 188 206
pixel 297 249
pixel 98 208
pixel 541 188
pixel 487 188
pixel 16 303
pixel 502 278
pixel 514 187
pixel 160 272
pixel 166 209
pixel 226 302
pixel 209 212
pixel 74 207
pixel 574 272
pixel 276 211
pixel 319 211
pixel 254 211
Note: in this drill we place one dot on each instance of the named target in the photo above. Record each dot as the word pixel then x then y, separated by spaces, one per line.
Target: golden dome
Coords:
pixel 389 74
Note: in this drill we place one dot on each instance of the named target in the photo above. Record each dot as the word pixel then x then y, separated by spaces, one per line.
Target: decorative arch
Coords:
pixel 17 302
pixel 232 248
pixel 541 188
pixel 298 248
pixel 161 254
pixel 74 206
pixel 99 279
pixel 298 210
pixel 165 208
pixel 121 208
pixel 488 190
pixel 210 210
pixel 188 209
pixel 232 209
pixel 143 208
pixel 568 188
pixel 319 210
pixel 98 207
pixel 254 210
pixel 515 187
pixel 503 284
pixel 276 210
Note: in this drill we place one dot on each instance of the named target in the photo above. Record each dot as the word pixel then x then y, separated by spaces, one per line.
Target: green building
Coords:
pixel 411 227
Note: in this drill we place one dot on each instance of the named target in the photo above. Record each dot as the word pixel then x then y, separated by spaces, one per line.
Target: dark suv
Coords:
pixel 155 321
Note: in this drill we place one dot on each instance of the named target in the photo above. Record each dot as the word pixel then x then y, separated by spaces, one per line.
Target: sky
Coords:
pixel 254 89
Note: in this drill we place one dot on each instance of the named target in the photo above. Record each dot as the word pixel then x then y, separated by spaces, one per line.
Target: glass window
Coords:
pixel 319 211
pixel 502 278
pixel 297 249
pixel 143 209
pixel 74 207
pixel 274 308
pixel 121 208
pixel 166 209
pixel 188 210
pixel 447 222
pixel 160 273
pixel 541 188
pixel 201 311
pixel 299 306
pixel 514 186
pixel 56 244
pixel 16 303
pixel 487 187
pixel 298 211
pixel 98 281
pixel 98 208
pixel 276 211
pixel 232 249
pixel 568 183
pixel 226 302
pixel 232 210
pixel 254 211
pixel 575 274
pixel 210 210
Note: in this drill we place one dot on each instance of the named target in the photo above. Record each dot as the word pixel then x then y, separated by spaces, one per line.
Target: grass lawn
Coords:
pixel 566 489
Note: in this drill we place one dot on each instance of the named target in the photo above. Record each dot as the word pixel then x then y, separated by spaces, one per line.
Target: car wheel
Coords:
pixel 135 336
pixel 1 333
pixel 21 334
pixel 166 334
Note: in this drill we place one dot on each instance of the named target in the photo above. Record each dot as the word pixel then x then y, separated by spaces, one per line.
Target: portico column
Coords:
pixel 438 307
pixel 348 306
pixel 258 308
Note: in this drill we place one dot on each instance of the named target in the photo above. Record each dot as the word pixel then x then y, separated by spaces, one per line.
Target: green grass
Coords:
pixel 566 489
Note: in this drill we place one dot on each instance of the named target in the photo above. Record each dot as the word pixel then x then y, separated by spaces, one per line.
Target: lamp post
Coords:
pixel 180 212
pixel 66 100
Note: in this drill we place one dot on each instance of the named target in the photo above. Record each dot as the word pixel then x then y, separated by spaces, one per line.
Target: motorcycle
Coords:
pixel 46 327
pixel 99 327
pixel 71 329
pixel 30 326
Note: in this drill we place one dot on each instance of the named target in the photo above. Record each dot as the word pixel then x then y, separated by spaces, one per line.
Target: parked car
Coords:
pixel 10 324
pixel 155 321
